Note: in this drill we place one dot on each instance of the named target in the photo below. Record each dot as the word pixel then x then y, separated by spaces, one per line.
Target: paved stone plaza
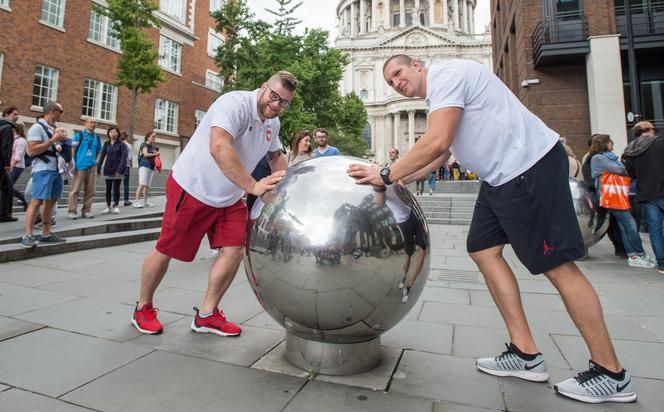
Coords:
pixel 66 342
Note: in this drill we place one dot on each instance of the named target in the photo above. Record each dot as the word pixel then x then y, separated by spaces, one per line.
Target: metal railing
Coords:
pixel 647 18
pixel 562 28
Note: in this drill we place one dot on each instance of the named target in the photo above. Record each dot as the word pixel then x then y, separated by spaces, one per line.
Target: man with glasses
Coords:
pixel 644 161
pixel 323 148
pixel 524 200
pixel 204 196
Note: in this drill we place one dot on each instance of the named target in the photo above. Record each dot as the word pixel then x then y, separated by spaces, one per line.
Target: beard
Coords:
pixel 266 110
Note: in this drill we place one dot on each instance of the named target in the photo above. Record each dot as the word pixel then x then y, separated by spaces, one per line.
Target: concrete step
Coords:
pixel 451 221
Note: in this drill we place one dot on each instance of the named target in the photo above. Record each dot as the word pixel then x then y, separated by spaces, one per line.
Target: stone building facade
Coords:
pixel 62 50
pixel 433 31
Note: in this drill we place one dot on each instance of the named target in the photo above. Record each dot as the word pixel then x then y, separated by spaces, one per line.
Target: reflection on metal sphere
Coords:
pixel 587 209
pixel 336 263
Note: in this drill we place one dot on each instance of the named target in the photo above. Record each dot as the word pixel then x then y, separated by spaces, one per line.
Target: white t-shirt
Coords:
pixel 498 137
pixel 237 113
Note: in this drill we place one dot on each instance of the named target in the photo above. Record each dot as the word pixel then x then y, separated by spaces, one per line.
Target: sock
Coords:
pixel 614 375
pixel 522 355
pixel 204 314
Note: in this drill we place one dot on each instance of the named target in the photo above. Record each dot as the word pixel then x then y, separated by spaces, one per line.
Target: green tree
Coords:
pixel 137 68
pixel 285 21
pixel 262 50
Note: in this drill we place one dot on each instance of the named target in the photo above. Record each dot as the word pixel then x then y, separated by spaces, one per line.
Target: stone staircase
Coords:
pixel 451 204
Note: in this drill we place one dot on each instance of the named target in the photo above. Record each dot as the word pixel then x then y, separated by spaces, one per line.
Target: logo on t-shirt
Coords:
pixel 268 134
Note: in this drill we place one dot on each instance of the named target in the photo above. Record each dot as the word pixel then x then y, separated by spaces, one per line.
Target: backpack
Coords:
pixel 80 138
pixel 588 181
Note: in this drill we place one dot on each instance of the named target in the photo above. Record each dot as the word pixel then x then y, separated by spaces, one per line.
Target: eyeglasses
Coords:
pixel 648 129
pixel 274 97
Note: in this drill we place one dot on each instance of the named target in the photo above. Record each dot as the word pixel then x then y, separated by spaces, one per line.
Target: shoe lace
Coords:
pixel 150 314
pixel 587 376
pixel 508 353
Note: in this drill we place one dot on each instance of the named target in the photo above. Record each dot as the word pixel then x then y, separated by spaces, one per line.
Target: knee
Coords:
pixel 487 255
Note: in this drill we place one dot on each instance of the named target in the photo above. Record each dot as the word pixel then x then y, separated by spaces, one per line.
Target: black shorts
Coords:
pixel 413 234
pixel 533 212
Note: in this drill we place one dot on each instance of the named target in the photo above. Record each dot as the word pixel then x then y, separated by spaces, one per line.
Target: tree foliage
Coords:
pixel 285 21
pixel 137 68
pixel 260 50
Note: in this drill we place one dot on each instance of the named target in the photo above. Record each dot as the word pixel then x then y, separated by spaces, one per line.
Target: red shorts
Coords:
pixel 187 220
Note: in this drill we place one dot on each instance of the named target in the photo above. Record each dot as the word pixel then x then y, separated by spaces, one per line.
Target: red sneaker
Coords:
pixel 145 319
pixel 216 324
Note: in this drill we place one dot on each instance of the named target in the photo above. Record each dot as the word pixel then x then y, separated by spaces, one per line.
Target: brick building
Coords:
pixel 63 50
pixel 567 61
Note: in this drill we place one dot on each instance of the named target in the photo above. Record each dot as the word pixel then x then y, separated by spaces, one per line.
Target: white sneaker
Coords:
pixel 86 215
pixel 138 205
pixel 148 204
pixel 106 211
pixel 115 211
pixel 641 262
pixel 72 215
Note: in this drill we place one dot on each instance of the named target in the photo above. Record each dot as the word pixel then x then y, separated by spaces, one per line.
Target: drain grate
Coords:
pixel 454 275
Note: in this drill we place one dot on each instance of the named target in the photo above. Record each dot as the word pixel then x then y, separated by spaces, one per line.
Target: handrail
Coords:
pixel 647 19
pixel 563 28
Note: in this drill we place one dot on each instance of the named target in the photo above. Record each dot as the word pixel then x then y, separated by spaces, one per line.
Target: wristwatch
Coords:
pixel 385 175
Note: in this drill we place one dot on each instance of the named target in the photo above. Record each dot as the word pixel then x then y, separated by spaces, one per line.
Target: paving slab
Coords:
pixel 94 318
pixel 178 300
pixel 3 387
pixel 652 324
pixel 14 327
pixel 183 383
pixel 60 361
pixel 420 336
pixel 100 288
pixel 264 320
pixel 375 379
pixel 67 261
pixel 16 299
pixel 445 295
pixel 641 359
pixel 20 400
pixel 531 301
pixel 28 275
pixel 445 378
pixel 241 350
pixel 461 315
pixel 327 397
pixel 455 407
pixel 473 342
pixel 524 396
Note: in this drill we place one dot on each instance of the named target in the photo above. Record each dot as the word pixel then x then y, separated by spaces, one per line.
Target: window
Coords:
pixel 45 86
pixel 396 20
pixel 216 5
pixel 170 52
pixel 4 4
pixel 364 94
pixel 53 12
pixel 99 100
pixel 174 8
pixel 213 81
pixel 101 31
pixel 366 134
pixel 166 116
pixel 198 117
pixel 214 41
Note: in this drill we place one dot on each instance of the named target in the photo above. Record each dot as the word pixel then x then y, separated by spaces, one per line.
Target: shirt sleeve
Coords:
pixel 77 139
pixel 230 114
pixel 448 88
pixel 35 134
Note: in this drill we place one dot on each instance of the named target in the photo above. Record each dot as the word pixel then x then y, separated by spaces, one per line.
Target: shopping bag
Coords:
pixel 614 191
pixel 157 163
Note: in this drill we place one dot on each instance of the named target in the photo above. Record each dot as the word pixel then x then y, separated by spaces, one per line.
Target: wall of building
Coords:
pixel 26 42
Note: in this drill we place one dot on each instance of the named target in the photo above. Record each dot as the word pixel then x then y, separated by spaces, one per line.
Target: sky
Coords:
pixel 317 13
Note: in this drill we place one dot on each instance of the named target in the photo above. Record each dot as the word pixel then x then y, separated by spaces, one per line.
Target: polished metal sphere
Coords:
pixel 331 260
pixel 587 213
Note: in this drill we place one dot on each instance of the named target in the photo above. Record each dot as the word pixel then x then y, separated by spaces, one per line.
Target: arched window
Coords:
pixel 364 94
pixel 366 134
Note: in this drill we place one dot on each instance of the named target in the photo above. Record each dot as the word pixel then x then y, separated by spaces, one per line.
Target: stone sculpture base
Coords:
pixel 332 358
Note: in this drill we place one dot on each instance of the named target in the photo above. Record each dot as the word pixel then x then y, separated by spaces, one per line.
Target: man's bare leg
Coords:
pixel 418 267
pixel 30 215
pixel 155 266
pixel 222 272
pixel 46 215
pixel 583 306
pixel 505 293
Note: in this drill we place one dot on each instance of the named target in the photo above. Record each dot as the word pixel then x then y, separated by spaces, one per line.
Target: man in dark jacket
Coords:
pixel 7 125
pixel 644 162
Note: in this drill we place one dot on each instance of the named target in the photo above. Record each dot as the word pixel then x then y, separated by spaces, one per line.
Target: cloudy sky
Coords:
pixel 317 13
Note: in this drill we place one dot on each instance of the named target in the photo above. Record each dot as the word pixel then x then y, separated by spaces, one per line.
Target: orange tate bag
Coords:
pixel 157 164
pixel 615 191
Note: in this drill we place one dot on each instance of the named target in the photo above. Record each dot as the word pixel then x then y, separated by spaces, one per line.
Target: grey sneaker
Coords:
pixel 50 239
pixel 28 241
pixel 509 363
pixel 596 386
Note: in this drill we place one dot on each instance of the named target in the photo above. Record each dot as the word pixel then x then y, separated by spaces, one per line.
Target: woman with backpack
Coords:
pixel 602 159
pixel 146 169
pixel 114 161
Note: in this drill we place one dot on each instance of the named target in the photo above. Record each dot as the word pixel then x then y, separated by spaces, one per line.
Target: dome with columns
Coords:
pixel 433 31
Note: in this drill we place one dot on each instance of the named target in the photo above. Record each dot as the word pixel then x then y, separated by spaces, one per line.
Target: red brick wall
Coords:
pixel 29 43
pixel 561 97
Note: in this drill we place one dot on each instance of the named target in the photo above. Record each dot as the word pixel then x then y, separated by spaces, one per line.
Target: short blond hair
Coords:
pixel 287 79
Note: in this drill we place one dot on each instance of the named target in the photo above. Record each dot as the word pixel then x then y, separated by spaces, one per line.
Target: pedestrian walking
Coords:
pixel 146 169
pixel 113 162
